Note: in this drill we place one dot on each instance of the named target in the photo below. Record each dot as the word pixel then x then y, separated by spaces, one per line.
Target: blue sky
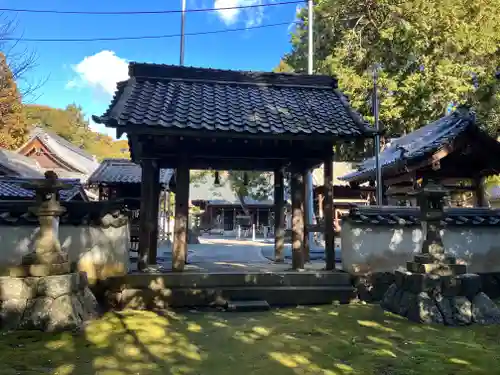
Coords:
pixel 86 73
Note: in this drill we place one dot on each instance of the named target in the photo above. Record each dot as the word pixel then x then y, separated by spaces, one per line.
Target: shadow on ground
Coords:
pixel 347 339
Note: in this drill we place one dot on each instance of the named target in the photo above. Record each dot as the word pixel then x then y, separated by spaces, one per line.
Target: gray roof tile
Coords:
pixel 10 187
pixel 123 171
pixel 232 101
pixel 410 216
pixel 19 165
pixel 417 145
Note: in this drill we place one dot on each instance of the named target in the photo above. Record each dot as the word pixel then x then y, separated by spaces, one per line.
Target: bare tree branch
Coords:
pixel 21 60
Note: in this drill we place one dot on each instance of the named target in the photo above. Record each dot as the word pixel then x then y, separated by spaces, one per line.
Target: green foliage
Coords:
pixel 283 67
pixel 13 130
pixel 70 124
pixel 256 185
pixel 429 52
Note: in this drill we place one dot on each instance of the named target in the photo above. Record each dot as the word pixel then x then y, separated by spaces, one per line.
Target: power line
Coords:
pixel 144 37
pixel 53 11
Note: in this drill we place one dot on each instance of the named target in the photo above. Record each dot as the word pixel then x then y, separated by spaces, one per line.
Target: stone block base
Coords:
pixel 449 300
pixel 48 303
pixel 372 287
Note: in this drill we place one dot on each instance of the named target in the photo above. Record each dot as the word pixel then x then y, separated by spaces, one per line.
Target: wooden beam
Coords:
pixel 261 163
pixel 148 222
pixel 329 214
pixel 179 248
pixel 136 130
pixel 297 188
pixel 279 216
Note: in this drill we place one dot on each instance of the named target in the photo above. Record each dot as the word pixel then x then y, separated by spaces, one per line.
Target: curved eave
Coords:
pixel 99 119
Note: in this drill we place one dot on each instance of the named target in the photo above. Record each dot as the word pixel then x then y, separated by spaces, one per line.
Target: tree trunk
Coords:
pixel 321 198
pixel 241 198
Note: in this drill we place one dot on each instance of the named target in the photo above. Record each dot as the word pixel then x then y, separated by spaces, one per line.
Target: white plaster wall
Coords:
pixel 384 249
pixel 103 251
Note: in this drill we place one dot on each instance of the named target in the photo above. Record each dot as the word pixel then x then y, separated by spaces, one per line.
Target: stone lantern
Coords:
pixel 48 257
pixel 431 199
pixel 42 293
pixel 434 288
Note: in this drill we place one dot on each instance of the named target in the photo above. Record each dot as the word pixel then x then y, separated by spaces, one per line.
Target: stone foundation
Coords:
pixel 372 287
pixel 48 303
pixel 450 299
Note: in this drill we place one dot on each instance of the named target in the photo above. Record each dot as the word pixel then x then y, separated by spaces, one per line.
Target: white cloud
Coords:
pixel 298 9
pixel 100 71
pixel 252 16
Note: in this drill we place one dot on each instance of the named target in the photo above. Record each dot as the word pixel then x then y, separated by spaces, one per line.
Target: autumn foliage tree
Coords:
pixel 13 129
pixel 70 123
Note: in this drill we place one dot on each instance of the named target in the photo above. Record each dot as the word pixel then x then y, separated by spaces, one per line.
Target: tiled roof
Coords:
pixel 409 216
pixel 66 151
pixel 10 187
pixel 417 145
pixel 123 171
pixel 18 165
pixel 77 213
pixel 232 101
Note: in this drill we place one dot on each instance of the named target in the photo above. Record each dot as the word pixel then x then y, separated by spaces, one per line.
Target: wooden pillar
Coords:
pixel 305 210
pixel 169 213
pixel 155 215
pixel 179 247
pixel 481 199
pixel 101 193
pixel 279 216
pixel 297 187
pixel 148 214
pixel 329 213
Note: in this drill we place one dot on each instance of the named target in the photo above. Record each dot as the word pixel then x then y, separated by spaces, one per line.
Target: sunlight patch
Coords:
pixel 193 327
pixel 261 331
pixel 372 324
pixel 459 361
pixel 284 359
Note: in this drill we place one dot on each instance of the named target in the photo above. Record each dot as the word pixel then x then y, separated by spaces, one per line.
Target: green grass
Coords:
pixel 348 339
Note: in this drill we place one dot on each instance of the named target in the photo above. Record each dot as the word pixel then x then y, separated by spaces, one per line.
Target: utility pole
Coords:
pixel 183 21
pixel 310 69
pixel 376 111
pixel 181 63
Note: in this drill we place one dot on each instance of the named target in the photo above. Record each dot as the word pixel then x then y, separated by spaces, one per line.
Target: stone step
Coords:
pixel 148 298
pixel 247 306
pixel 437 268
pixel 293 295
pixel 202 280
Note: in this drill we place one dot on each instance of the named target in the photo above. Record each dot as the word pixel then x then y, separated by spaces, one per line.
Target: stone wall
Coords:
pixel 378 240
pixel 96 236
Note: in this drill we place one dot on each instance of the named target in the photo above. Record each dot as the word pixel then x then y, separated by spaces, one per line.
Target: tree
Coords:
pixel 254 185
pixel 13 128
pixel 432 53
pixel 283 67
pixel 20 60
pixel 70 123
